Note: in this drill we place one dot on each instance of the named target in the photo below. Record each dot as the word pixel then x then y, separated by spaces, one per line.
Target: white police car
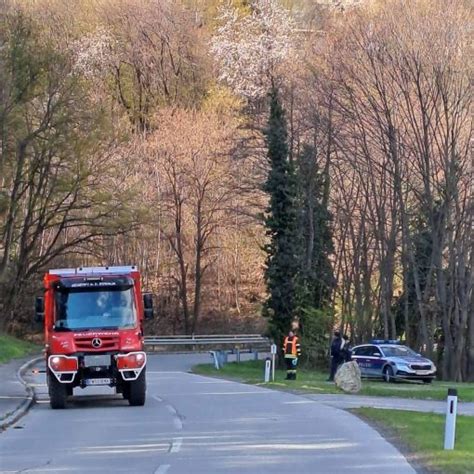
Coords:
pixel 392 361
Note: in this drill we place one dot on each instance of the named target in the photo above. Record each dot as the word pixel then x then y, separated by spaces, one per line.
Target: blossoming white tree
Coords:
pixel 145 53
pixel 248 49
pixel 94 53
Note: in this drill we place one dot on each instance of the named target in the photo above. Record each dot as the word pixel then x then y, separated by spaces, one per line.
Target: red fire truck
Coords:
pixel 93 324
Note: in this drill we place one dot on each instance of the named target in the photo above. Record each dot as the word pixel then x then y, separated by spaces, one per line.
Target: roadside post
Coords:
pixel 222 355
pixel 273 350
pixel 268 366
pixel 215 358
pixel 451 412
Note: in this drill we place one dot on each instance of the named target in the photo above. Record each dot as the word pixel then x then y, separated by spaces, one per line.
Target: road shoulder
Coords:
pixel 392 437
pixel 16 395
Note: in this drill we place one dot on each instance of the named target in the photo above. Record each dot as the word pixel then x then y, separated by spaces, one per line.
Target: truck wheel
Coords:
pixel 126 391
pixel 137 391
pixel 57 392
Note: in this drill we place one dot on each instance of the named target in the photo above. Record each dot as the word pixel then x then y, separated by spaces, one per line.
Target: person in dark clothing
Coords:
pixel 346 350
pixel 336 355
pixel 291 351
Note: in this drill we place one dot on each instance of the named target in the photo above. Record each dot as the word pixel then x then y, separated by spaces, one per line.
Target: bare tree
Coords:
pixel 52 157
pixel 402 102
pixel 197 192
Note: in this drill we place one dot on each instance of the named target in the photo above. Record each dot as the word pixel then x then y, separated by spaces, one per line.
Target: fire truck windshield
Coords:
pixel 101 308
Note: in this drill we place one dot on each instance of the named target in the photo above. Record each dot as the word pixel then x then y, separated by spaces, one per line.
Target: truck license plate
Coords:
pixel 96 361
pixel 97 381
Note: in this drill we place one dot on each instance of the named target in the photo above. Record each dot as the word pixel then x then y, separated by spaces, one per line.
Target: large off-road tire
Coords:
pixel 126 391
pixel 137 391
pixel 427 380
pixel 58 392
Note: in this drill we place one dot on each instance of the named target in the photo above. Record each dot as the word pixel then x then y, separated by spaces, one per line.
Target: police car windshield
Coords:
pixel 398 351
pixel 95 308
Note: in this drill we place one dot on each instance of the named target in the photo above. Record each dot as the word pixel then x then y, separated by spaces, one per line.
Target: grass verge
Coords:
pixel 421 435
pixel 312 381
pixel 10 348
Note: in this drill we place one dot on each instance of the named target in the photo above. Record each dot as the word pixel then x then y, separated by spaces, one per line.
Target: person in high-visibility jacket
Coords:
pixel 291 351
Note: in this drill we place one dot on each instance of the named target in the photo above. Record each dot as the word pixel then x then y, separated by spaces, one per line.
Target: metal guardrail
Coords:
pixel 214 339
pixel 222 344
pixel 231 341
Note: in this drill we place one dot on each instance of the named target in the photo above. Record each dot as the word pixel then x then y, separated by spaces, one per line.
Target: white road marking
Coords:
pixel 323 446
pixel 14 398
pixel 122 451
pixel 214 382
pixel 176 445
pixel 299 402
pixel 157 398
pixel 127 446
pixel 236 393
pixel 163 469
pixel 178 424
pixel 166 372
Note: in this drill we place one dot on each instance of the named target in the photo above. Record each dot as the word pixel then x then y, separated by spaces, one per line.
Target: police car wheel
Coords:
pixel 388 374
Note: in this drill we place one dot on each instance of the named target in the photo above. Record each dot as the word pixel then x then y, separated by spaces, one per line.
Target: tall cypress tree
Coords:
pixel 316 279
pixel 315 283
pixel 281 222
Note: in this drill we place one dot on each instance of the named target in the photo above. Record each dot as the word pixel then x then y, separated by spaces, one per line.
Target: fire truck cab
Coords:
pixel 93 325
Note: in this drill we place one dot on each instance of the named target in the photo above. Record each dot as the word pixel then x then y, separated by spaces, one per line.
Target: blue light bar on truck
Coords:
pixel 94 270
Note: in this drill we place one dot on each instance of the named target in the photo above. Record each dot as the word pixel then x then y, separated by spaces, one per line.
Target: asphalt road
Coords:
pixel 193 424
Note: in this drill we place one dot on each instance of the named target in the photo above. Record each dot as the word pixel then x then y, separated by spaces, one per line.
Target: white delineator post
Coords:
pixel 268 366
pixel 451 412
pixel 215 359
pixel 273 350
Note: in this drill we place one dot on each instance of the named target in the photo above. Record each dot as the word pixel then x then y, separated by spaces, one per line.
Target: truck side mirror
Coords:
pixel 39 309
pixel 148 305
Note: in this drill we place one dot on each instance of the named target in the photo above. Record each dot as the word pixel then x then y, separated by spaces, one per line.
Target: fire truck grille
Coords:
pixel 96 344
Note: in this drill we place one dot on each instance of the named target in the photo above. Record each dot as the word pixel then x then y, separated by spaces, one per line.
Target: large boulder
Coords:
pixel 348 377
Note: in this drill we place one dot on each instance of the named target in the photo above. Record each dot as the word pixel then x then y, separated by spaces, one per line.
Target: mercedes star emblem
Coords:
pixel 96 342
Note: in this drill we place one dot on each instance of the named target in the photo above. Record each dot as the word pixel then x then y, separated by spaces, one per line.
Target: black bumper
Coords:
pixel 410 376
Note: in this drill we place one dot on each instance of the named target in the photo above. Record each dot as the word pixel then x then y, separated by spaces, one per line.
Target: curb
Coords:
pixel 27 402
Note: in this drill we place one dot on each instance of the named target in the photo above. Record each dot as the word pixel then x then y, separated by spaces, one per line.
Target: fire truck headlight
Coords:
pixel 131 361
pixel 63 364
